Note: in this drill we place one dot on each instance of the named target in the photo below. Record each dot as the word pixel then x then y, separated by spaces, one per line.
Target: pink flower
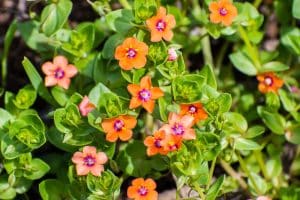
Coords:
pixel 89 161
pixel 59 72
pixel 180 126
pixel 263 198
pixel 86 106
pixel 172 54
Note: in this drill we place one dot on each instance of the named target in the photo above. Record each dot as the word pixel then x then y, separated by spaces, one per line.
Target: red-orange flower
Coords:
pixel 59 72
pixel 142 189
pixel 119 127
pixel 172 143
pixel 85 106
pixel 89 161
pixel 180 126
pixel 223 12
pixel 156 143
pixel 195 110
pixel 161 25
pixel 269 82
pixel 144 94
pixel 131 54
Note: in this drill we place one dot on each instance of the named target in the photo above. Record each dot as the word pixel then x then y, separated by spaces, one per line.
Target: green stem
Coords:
pixel 125 4
pixel 211 172
pixel 245 169
pixel 251 49
pixel 200 191
pixel 177 195
pixel 206 49
pixel 257 3
pixel 261 163
pixel 229 170
pixel 220 57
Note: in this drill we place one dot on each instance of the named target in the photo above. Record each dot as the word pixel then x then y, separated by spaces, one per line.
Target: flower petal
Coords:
pixel 133 89
pixel 173 118
pixel 132 192
pixel 156 93
pixel 60 61
pixel 70 71
pixel 89 150
pixel 125 135
pixel 149 105
pixel 146 82
pixel 64 83
pixel 108 125
pixel 50 81
pixel 168 35
pixel 134 103
pixel 138 182
pixel 101 158
pixel 96 170
pixel 112 136
pixel 77 157
pixel 187 121
pixel 129 121
pixel 48 68
pixel 82 170
pixel 150 184
pixel 189 134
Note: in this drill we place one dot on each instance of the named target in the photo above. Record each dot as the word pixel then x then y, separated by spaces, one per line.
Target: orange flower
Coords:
pixel 156 143
pixel 195 110
pixel 85 106
pixel 119 127
pixel 173 143
pixel 160 25
pixel 59 72
pixel 180 126
pixel 131 54
pixel 269 82
pixel 144 94
pixel 142 189
pixel 222 11
pixel 89 161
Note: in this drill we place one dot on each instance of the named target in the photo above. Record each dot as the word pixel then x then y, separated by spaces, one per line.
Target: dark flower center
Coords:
pixel 173 146
pixel 192 109
pixel 142 191
pixel 161 25
pixel 131 53
pixel 144 95
pixel 59 73
pixel 157 143
pixel 89 161
pixel 118 125
pixel 223 11
pixel 178 129
pixel 268 81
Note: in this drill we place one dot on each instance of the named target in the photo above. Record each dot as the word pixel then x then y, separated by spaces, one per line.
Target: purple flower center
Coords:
pixel 157 143
pixel 161 25
pixel 268 81
pixel 144 95
pixel 59 73
pixel 118 125
pixel 89 161
pixel 178 129
pixel 192 109
pixel 223 11
pixel 131 53
pixel 142 191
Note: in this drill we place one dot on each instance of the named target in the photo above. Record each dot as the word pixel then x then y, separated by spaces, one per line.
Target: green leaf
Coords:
pixel 4 117
pixel 224 100
pixel 261 184
pixel 59 94
pixel 243 63
pixel 290 39
pixel 273 167
pixel 110 45
pixel 254 131
pixel 36 169
pixel 54 16
pixel 37 81
pixel 235 122
pixel 120 20
pixel 274 66
pixel 293 133
pixel 143 10
pixel 96 93
pixel 56 138
pixel 295 10
pixel 245 144
pixel 209 75
pixel 25 97
pixel 214 190
pixel 52 189
pixel 287 100
pixel 274 121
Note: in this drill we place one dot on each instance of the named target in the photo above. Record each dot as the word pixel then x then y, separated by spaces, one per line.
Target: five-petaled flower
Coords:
pixel 195 110
pixel 142 189
pixel 223 12
pixel 156 143
pixel 85 106
pixel 119 127
pixel 144 94
pixel 131 54
pixel 89 161
pixel 161 25
pixel 180 126
pixel 269 82
pixel 59 72
pixel 172 54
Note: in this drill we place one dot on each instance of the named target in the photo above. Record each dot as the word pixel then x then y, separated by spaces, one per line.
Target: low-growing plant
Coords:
pixel 129 100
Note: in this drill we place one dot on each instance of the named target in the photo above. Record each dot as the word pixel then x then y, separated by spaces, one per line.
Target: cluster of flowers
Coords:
pixel 132 54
